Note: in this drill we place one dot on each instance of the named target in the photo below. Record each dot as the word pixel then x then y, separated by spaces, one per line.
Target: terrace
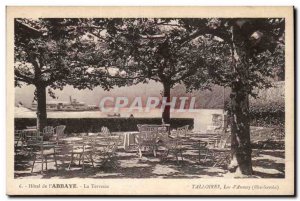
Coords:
pixel 268 160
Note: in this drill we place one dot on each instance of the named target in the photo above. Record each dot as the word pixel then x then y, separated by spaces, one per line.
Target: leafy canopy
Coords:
pixel 56 52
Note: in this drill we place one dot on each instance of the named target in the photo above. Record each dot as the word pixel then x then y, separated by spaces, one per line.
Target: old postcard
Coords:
pixel 150 101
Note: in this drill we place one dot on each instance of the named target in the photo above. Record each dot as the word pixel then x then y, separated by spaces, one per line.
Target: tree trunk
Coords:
pixel 167 95
pixel 41 107
pixel 240 121
pixel 240 131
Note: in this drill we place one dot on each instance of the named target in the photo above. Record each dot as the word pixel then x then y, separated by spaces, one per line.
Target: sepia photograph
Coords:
pixel 149 98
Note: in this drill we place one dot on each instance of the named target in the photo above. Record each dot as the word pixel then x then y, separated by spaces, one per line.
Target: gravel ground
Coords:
pixel 266 164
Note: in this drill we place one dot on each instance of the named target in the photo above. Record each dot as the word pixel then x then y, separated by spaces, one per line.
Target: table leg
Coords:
pixel 126 141
pixel 140 152
pixel 199 153
pixel 46 162
pixel 34 158
pixel 42 164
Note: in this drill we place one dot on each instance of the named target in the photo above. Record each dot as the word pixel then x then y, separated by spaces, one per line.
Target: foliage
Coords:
pixel 56 52
pixel 265 58
pixel 212 98
pixel 269 100
pixel 245 55
pixel 156 49
pixel 268 109
pixel 146 49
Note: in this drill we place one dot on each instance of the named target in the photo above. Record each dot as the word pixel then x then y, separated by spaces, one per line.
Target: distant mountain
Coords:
pixel 205 99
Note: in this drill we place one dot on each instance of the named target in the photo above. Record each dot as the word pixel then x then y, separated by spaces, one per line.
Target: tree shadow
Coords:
pixel 266 175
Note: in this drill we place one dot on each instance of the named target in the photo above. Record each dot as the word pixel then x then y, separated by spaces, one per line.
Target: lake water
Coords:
pixel 202 117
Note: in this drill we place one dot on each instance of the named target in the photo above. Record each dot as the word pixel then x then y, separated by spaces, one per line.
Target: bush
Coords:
pixel 268 144
pixel 268 108
pixel 267 119
pixel 81 125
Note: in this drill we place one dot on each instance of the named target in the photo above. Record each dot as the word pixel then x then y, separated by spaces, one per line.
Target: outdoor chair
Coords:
pixel 48 132
pixel 222 155
pixel 182 131
pixel 147 139
pixel 224 141
pixel 59 132
pixel 171 145
pixel 107 154
pixel 30 139
pixel 204 152
pixel 105 131
pixel 19 137
pixel 214 141
pixel 216 148
pixel 84 150
pixel 139 126
pixel 222 152
pixel 42 150
pixel 164 128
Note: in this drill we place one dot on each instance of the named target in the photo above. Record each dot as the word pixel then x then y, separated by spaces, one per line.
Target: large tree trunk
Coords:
pixel 41 107
pixel 240 121
pixel 240 131
pixel 167 95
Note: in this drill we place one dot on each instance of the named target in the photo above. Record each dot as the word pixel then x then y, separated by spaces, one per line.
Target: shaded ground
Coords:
pixel 266 164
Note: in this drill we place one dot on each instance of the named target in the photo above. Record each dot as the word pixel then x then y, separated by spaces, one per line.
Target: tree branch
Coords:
pixel 24 78
pixel 204 31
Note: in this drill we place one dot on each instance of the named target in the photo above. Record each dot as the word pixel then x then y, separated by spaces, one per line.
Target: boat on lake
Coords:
pixel 72 105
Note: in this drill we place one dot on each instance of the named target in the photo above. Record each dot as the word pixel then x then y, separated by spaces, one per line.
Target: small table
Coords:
pixel 160 127
pixel 29 130
pixel 129 140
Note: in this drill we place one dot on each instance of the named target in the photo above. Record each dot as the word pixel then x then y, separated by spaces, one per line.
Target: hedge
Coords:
pixel 266 119
pixel 80 125
pixel 269 106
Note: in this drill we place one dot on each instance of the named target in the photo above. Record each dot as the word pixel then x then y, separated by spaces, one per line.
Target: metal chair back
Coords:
pixel 147 134
pixel 48 130
pixel 182 131
pixel 105 131
pixel 18 134
pixel 59 130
